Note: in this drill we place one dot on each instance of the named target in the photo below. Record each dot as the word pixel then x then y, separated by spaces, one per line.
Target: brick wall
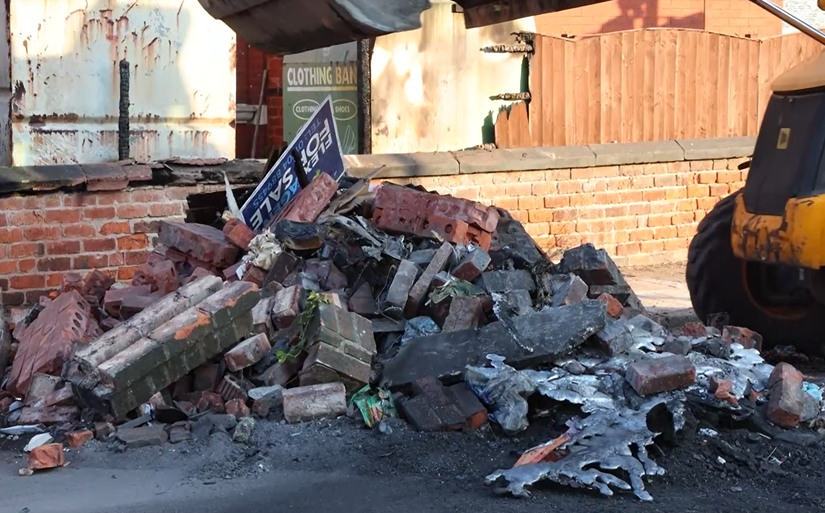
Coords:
pixel 250 66
pixel 42 236
pixel 640 201
pixel 736 17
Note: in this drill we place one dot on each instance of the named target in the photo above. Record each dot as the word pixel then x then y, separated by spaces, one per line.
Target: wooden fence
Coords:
pixel 647 85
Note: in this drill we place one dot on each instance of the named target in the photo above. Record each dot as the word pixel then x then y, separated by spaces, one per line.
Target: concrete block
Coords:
pixel 637 153
pixel 307 403
pixel 717 148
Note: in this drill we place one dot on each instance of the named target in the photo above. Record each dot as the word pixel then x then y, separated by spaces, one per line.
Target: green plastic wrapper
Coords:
pixel 374 405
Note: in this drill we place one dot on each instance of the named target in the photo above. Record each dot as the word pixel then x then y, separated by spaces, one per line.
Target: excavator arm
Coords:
pixel 283 27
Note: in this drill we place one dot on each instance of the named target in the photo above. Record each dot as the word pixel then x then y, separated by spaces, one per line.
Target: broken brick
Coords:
pixel 310 201
pixel 41 386
pixel 200 241
pixel 614 338
pixel 432 409
pixel 72 281
pixel 210 401
pixel 179 432
pixel 238 233
pixel 282 267
pixel 418 292
pixel 328 276
pixel 307 403
pixel 694 329
pixel 474 412
pixel 104 430
pixel 786 402
pixel 679 346
pixel 402 282
pixel 114 297
pixel 237 408
pixel 77 439
pixel 748 338
pixel 197 273
pixel 49 341
pixel 144 436
pixel 247 353
pixel 648 377
pixel 231 272
pixel 722 389
pixel 287 306
pixel 133 304
pixel 569 290
pixel 46 456
pixel 465 313
pixel 254 274
pixel 261 318
pixel 362 301
pixel 48 415
pixel 406 210
pixel 233 388
pixel 96 284
pixel 614 307
pixel 472 265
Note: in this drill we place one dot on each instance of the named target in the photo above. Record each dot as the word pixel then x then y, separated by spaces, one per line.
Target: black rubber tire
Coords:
pixel 716 283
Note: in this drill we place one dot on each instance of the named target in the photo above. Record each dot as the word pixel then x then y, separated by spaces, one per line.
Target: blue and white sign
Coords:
pixel 319 149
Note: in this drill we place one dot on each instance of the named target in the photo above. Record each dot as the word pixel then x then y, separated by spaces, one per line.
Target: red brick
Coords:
pixel 465 313
pixel 33 296
pixel 79 438
pixel 27 249
pixel 148 195
pixel 49 340
pixel 648 377
pixel 308 204
pixel 36 233
pixel 786 401
pixel 79 231
pixel 237 408
pixel 46 457
pixel 748 338
pixel 54 264
pixel 125 273
pixel 165 209
pixel 9 235
pixel 614 307
pixel 135 257
pixel 65 216
pixel 11 203
pixel 98 245
pixel 98 213
pixel 28 281
pixel 27 265
pixel 63 247
pixel 210 401
pixel 115 227
pixel 694 329
pixel 54 280
pixel 92 261
pixel 114 297
pixel 203 242
pixel 133 242
pixel 238 233
pixel 132 211
pixel 28 217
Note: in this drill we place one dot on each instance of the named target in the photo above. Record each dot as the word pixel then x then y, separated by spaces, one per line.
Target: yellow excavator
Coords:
pixel 758 256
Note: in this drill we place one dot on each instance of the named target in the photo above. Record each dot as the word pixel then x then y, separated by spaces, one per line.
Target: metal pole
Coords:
pixel 123 115
pixel 791 20
pixel 364 63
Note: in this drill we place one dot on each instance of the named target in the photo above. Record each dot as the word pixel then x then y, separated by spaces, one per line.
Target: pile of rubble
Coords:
pixel 378 302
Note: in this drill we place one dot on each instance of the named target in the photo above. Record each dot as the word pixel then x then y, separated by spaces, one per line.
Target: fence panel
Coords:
pixel 648 85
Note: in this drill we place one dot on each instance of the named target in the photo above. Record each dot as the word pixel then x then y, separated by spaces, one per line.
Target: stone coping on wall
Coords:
pixel 185 172
pixel 542 158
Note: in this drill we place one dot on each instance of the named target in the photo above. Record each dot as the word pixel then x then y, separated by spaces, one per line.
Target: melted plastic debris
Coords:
pixel 606 439
pixel 745 369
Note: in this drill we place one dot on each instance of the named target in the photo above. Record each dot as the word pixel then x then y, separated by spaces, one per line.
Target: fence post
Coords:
pixel 123 114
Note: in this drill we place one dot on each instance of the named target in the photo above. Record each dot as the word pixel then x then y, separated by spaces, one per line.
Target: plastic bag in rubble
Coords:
pixel 504 390
pixel 374 405
pixel 263 249
pixel 419 327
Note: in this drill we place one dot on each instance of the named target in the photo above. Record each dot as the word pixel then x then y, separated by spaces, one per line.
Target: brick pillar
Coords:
pixel 275 101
